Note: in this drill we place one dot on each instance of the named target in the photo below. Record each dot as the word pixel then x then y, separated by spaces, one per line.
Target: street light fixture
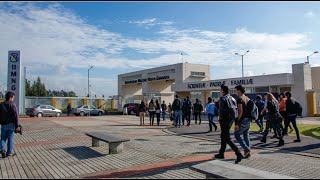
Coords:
pixel 242 60
pixel 316 52
pixel 88 81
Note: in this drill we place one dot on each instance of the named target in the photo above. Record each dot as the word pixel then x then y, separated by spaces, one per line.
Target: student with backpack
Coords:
pixel 152 111
pixel 282 109
pixel 158 112
pixel 177 108
pixel 188 108
pixel 163 110
pixel 261 105
pixel 142 112
pixel 243 122
pixel 9 121
pixel 227 114
pixel 292 109
pixel 198 108
pixel 274 119
pixel 210 112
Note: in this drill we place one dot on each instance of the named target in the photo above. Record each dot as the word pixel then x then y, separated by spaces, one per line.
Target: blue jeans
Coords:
pixel 164 115
pixel 178 117
pixel 7 133
pixel 259 122
pixel 244 128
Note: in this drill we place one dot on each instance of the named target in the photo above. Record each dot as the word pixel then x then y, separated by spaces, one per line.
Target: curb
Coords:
pixel 166 130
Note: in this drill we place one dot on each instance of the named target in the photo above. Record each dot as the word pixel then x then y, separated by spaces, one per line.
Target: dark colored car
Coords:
pixel 132 108
pixel 43 110
pixel 86 109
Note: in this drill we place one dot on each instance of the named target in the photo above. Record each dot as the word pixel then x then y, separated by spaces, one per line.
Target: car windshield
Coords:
pixel 35 106
pixel 79 106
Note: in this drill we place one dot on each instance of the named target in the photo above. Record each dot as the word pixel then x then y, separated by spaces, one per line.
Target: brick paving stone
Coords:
pixel 55 148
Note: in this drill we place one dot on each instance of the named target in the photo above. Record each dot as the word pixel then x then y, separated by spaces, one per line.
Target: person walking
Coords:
pixel 227 115
pixel 69 109
pixel 9 121
pixel 164 110
pixel 158 112
pixel 274 119
pixel 188 108
pixel 283 113
pixel 291 111
pixel 243 122
pixel 198 108
pixel 261 105
pixel 152 112
pixel 170 111
pixel 142 112
pixel 210 112
pixel 184 107
pixel 177 108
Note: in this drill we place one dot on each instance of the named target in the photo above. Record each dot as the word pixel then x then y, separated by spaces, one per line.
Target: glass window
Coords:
pixel 193 73
pixel 284 89
pixel 43 107
pixel 79 106
pixel 262 89
pixel 50 107
pixel 92 107
pixel 85 107
pixel 249 90
pixel 274 89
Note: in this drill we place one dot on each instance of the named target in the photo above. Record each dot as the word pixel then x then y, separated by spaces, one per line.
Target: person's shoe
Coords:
pixel 239 158
pixel 3 154
pixel 281 143
pixel 291 130
pixel 10 155
pixel 215 128
pixel 219 156
pixel 196 122
pixel 263 140
pixel 247 154
pixel 297 140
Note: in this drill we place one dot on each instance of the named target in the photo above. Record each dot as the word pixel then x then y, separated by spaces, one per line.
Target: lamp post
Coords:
pixel 242 60
pixel 182 57
pixel 310 55
pixel 89 81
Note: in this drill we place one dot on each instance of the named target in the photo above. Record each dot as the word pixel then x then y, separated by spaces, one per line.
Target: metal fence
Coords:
pixel 32 101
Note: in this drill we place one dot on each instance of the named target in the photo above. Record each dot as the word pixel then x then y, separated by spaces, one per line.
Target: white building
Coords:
pixel 193 80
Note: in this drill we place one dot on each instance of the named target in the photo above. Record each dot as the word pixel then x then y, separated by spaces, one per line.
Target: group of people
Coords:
pixel 242 112
pixel 229 110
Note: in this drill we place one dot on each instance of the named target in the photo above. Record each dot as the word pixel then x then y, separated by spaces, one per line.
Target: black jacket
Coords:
pixel 8 113
pixel 223 109
pixel 291 106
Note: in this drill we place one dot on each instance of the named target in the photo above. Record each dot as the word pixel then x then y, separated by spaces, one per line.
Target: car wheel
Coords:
pixel 58 114
pixel 39 115
pixel 132 112
pixel 82 114
pixel 100 113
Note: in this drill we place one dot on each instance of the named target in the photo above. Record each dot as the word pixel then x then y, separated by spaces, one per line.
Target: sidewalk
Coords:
pixel 308 146
pixel 53 148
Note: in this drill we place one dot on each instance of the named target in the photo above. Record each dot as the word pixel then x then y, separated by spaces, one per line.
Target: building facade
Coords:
pixel 193 80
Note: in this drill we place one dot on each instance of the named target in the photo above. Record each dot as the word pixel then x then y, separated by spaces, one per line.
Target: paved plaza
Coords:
pixel 58 148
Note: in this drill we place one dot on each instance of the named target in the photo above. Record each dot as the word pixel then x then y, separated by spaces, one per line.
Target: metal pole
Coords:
pixel 307 60
pixel 242 66
pixel 88 82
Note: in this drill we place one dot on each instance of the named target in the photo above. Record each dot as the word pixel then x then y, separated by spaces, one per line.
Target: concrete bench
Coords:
pixel 115 142
pixel 228 170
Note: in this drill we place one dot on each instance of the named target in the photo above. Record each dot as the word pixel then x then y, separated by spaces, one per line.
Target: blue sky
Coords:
pixel 60 40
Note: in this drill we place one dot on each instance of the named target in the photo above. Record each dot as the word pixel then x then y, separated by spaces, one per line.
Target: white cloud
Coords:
pixel 309 14
pixel 147 23
pixel 56 38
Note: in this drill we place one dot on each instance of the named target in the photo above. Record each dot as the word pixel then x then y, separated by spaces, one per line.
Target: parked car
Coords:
pixel 86 109
pixel 43 110
pixel 132 108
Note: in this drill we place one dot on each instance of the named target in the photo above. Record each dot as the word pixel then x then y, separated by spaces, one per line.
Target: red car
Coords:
pixel 133 108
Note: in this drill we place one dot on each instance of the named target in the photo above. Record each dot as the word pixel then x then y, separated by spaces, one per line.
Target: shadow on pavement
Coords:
pixel 83 152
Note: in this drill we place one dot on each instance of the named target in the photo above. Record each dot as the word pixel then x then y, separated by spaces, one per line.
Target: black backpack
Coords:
pixel 178 105
pixel 299 109
pixel 5 114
